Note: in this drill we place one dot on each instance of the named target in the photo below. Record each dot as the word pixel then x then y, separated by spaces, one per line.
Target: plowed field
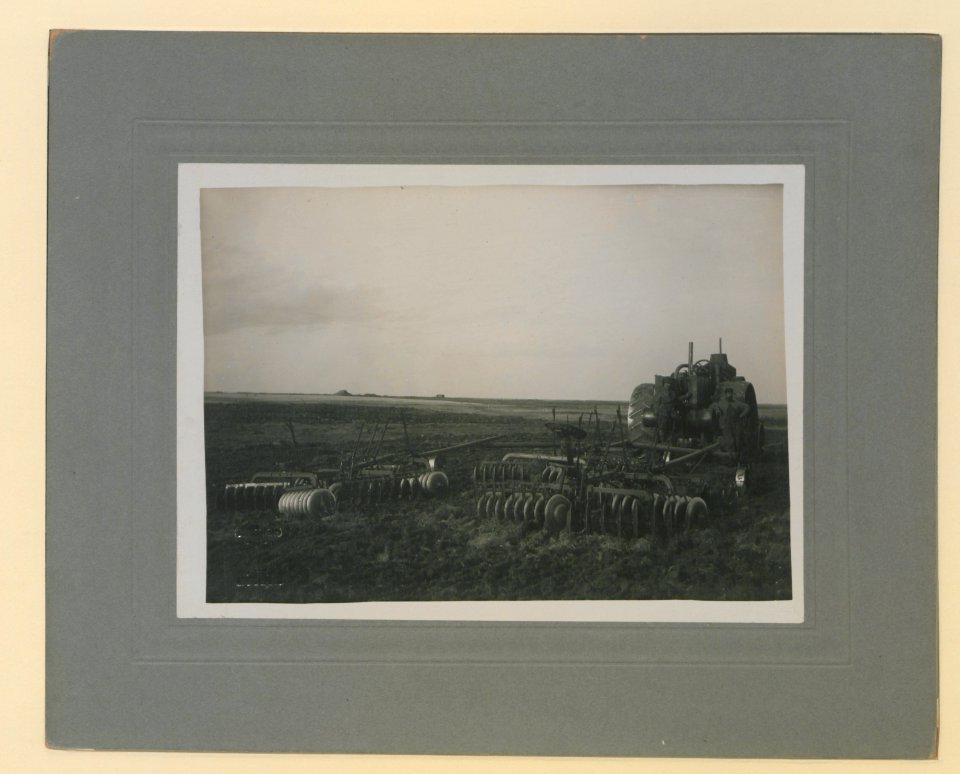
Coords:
pixel 440 549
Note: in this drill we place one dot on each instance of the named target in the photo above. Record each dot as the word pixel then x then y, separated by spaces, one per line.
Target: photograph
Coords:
pixel 449 385
pixel 421 394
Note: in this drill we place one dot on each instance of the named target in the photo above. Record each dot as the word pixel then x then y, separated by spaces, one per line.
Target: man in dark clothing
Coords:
pixel 731 413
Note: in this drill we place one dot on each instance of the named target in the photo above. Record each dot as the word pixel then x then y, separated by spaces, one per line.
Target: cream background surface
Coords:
pixel 23 47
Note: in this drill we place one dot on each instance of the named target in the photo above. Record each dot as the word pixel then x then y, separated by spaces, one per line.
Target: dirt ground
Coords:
pixel 440 549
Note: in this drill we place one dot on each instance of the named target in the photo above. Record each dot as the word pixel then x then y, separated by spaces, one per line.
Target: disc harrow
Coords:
pixel 364 492
pixel 493 472
pixel 690 439
pixel 558 499
pixel 264 490
pixel 286 498
pixel 638 513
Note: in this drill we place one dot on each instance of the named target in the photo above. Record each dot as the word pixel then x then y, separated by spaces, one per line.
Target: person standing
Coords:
pixel 731 414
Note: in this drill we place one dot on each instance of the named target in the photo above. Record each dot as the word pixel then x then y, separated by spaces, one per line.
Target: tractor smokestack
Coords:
pixel 690 355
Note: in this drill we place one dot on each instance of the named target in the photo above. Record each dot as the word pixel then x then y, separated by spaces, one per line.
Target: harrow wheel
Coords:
pixel 641 401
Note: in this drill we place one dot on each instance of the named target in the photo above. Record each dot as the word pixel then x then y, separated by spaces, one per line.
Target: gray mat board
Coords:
pixel 122 672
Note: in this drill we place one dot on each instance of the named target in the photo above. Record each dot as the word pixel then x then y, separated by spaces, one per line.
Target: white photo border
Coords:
pixel 191 567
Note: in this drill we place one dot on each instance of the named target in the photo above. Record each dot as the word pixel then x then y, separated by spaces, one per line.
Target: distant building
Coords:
pixel 441 395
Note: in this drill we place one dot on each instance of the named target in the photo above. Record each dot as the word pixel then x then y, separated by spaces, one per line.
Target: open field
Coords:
pixel 439 549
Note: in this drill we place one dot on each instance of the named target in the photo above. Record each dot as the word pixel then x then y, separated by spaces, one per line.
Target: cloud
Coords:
pixel 500 291
pixel 276 301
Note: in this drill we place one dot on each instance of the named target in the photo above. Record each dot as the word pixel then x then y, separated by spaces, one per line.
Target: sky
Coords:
pixel 550 292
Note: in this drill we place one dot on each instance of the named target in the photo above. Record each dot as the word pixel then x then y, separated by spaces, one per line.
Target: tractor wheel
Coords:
pixel 641 401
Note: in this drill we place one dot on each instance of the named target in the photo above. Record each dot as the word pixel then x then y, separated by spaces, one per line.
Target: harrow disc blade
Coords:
pixel 557 513
pixel 334 489
pixel 508 507
pixel 518 508
pixel 697 510
pixel 307 502
pixel 320 502
pixel 527 509
pixel 539 507
pixel 669 509
pixel 515 514
pixel 680 519
pixel 436 483
pixel 613 520
pixel 656 515
pixel 643 508
pixel 633 516
pixel 414 488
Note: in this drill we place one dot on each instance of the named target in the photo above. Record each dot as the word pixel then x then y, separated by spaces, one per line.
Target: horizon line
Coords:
pixel 438 396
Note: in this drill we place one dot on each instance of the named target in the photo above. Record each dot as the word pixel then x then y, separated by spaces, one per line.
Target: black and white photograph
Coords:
pixel 553 396
pixel 492 392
